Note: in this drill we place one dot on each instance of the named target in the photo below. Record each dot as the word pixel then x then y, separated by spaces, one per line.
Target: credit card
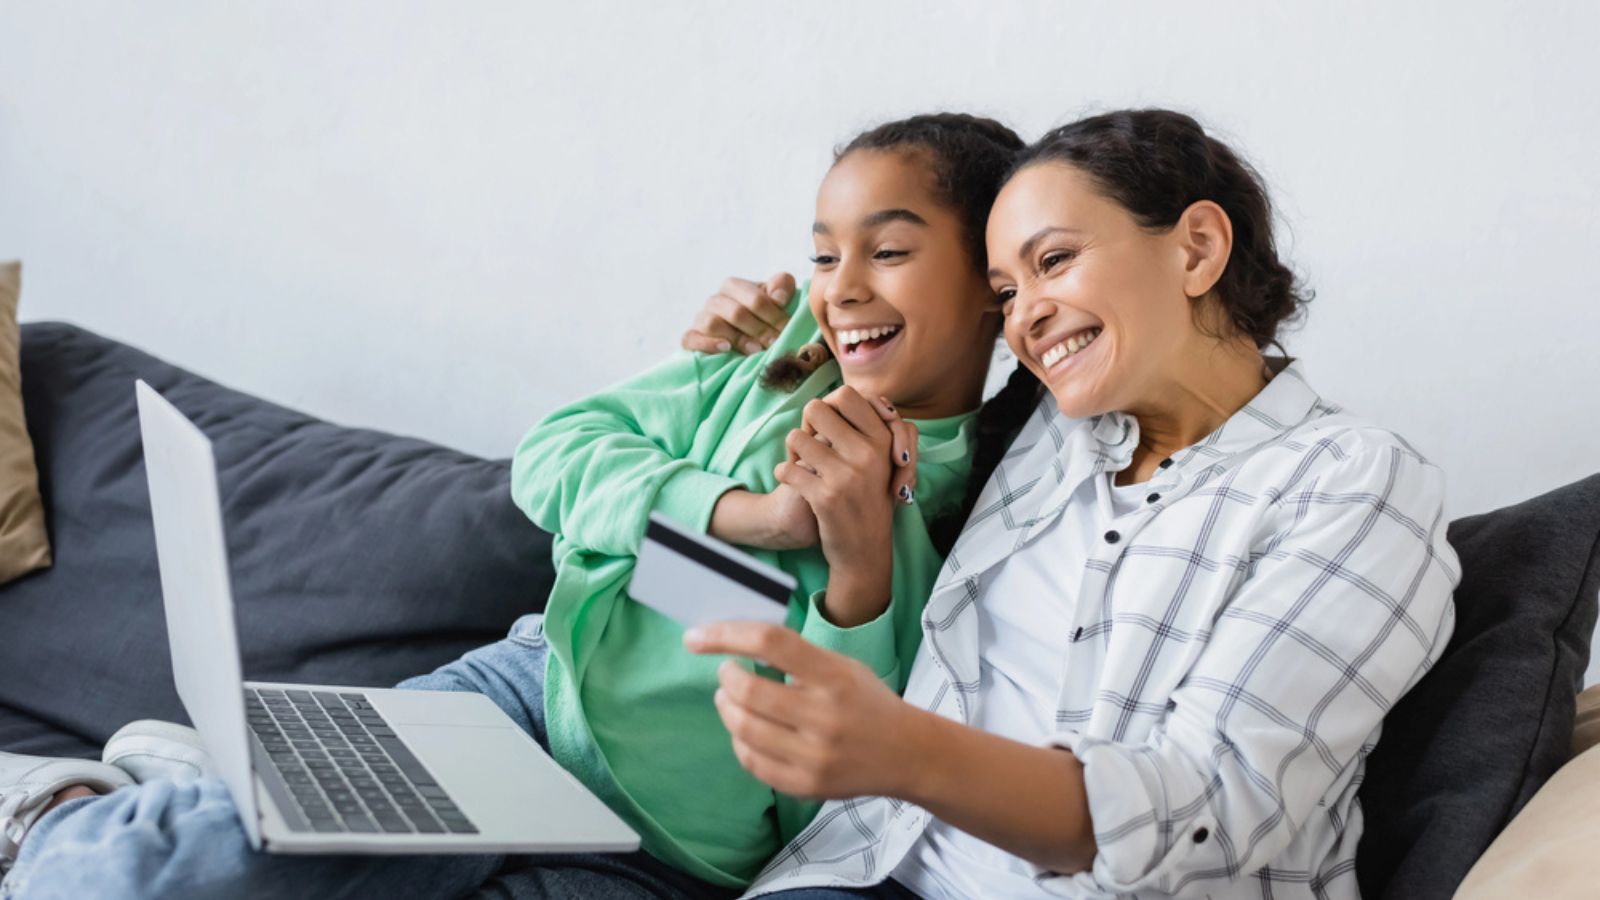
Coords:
pixel 697 579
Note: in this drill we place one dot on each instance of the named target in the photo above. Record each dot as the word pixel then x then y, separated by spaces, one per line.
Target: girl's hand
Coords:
pixel 743 315
pixel 791 522
pixel 833 730
pixel 902 453
pixel 781 520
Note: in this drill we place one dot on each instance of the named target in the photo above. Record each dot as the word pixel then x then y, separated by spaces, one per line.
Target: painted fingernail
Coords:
pixel 887 405
pixel 905 495
pixel 752 347
pixel 905 456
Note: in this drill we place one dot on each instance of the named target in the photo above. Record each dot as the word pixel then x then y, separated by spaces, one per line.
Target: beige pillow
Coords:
pixel 24 546
pixel 1548 850
pixel 1586 729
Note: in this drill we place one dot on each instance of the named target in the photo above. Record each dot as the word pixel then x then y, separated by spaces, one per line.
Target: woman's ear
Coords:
pixel 1205 235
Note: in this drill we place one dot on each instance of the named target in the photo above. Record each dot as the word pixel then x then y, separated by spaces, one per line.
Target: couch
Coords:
pixel 360 557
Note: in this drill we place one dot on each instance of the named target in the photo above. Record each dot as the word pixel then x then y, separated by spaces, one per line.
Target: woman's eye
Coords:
pixel 1056 258
pixel 1005 295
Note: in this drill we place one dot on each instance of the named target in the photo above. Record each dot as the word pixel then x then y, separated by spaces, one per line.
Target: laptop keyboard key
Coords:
pixel 360 823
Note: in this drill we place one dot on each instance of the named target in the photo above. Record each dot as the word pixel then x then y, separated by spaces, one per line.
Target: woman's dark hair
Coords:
pixel 1156 163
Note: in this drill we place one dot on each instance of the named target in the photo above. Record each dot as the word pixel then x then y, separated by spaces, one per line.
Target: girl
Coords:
pixel 882 367
pixel 1161 650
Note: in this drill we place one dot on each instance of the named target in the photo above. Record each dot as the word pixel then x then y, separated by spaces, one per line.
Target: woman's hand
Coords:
pixel 746 315
pixel 841 466
pixel 833 730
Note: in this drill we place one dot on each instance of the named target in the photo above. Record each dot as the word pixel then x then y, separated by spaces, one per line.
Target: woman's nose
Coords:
pixel 1029 312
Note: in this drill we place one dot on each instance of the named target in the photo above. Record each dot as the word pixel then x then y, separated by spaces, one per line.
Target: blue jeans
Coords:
pixel 180 840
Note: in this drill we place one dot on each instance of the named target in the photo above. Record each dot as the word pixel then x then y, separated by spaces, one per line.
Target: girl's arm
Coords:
pixel 593 471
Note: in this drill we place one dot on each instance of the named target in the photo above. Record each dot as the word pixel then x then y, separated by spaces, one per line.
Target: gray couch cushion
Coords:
pixel 1469 746
pixel 358 557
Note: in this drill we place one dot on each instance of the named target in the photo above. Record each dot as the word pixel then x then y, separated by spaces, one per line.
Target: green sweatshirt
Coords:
pixel 629 710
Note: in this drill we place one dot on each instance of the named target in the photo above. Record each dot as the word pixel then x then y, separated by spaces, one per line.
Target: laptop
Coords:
pixel 336 769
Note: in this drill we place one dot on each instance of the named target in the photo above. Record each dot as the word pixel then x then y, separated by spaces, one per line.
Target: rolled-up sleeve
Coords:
pixel 1344 604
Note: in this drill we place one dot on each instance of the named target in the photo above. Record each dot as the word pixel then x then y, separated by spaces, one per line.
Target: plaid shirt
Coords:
pixel 1234 647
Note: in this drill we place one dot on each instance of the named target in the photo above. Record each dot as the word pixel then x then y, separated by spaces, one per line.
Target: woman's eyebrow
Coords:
pixel 1032 243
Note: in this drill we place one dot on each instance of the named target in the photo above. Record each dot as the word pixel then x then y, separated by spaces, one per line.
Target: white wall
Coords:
pixel 444 219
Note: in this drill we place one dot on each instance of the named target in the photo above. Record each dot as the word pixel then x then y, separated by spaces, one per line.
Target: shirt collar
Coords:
pixel 1286 400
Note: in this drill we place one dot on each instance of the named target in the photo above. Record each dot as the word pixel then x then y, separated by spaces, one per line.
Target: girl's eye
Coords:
pixel 822 259
pixel 1055 258
pixel 889 254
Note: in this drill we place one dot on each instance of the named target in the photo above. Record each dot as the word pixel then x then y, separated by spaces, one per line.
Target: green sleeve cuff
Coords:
pixel 871 642
pixel 689 496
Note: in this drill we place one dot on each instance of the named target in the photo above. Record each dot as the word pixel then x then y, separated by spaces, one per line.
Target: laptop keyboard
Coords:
pixel 342 767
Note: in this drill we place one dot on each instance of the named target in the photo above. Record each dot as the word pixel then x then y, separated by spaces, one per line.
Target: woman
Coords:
pixel 899 309
pixel 1161 650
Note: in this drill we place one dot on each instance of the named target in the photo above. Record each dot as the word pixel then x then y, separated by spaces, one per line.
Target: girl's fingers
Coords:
pixel 810 453
pixel 904 450
pixel 862 415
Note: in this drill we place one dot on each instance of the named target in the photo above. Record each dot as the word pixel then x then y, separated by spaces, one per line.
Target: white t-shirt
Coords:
pixel 1024 616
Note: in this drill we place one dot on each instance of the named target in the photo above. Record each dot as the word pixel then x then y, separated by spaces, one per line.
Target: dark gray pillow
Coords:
pixel 1462 753
pixel 357 557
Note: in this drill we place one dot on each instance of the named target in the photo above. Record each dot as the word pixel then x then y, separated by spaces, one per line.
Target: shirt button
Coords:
pixel 1152 498
pixel 1078 635
pixel 1112 537
pixel 1165 463
pixel 1200 835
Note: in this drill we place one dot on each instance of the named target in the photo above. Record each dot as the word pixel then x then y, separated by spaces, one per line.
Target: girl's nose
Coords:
pixel 847 286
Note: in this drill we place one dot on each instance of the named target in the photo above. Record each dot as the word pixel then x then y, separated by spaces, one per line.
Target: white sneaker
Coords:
pixel 149 749
pixel 27 784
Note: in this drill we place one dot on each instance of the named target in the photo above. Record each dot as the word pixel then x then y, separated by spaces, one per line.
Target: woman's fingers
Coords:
pixel 779 647
pixel 699 342
pixel 714 326
pixel 766 310
pixel 753 335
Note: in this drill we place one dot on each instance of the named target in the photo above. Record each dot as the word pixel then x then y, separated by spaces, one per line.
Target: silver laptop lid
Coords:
pixel 193 557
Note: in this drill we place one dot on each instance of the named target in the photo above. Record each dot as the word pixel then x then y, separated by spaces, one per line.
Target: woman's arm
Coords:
pixel 835 730
pixel 1347 605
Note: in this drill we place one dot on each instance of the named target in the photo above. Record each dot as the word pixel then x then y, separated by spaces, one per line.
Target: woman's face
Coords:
pixel 1095 305
pixel 900 303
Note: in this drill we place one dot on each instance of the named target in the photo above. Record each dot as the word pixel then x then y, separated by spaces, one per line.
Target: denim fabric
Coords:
pixel 164 839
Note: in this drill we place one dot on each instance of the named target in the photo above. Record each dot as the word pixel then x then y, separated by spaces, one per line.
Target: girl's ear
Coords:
pixel 1205 237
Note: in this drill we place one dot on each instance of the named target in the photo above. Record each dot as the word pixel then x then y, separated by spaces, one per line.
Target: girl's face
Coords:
pixel 899 301
pixel 1095 305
